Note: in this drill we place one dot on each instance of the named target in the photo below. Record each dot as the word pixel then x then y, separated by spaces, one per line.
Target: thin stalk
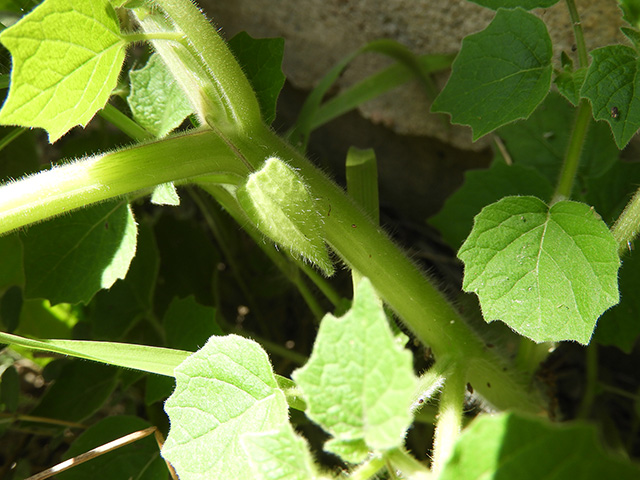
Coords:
pixel 125 124
pixel 368 469
pixel 583 117
pixel 583 58
pixel 14 133
pixel 408 465
pixel 572 157
pixel 449 423
pixel 627 226
pixel 591 387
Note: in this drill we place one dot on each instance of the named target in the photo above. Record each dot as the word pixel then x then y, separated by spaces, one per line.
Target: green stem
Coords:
pixel 572 157
pixel 408 465
pixel 212 53
pixel 627 226
pixel 583 58
pixel 368 469
pixel 14 133
pixel 112 175
pixel 124 123
pixel 147 37
pixel 591 388
pixel 424 310
pixel 449 421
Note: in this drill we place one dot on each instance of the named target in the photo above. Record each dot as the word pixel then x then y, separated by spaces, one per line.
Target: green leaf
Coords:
pixel 501 73
pixel 548 273
pixel 158 360
pixel 10 389
pixel 78 392
pixel 278 202
pixel 140 460
pixel 612 86
pixel 68 259
pixel 278 455
pixel 67 56
pixel 570 83
pixel 620 326
pixel 156 101
pixel 526 4
pixel 261 62
pixel 481 188
pixel 542 140
pixel 201 321
pixel 223 392
pixel 632 34
pixel 631 10
pixel 510 446
pixel 165 194
pixel 358 382
pixel 11 269
pixel 10 308
pixel 113 312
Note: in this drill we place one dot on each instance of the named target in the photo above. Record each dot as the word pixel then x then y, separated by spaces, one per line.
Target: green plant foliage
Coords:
pixel 570 81
pixel 165 194
pixel 70 258
pixel 79 391
pixel 116 310
pixel 277 200
pixel 158 360
pixel 356 364
pixel 261 61
pixel 611 85
pixel 11 270
pixel 541 141
pixel 156 100
pixel 67 56
pixel 10 307
pixel 9 389
pixel 526 4
pixel 631 9
pixel 620 326
pixel 199 318
pixel 481 188
pixel 494 83
pixel 511 446
pixel 278 455
pixel 140 460
pixel 224 391
pixel 548 273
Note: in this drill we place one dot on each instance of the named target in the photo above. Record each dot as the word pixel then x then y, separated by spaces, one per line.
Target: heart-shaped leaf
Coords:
pixel 612 85
pixel 67 56
pixel 501 73
pixel 548 273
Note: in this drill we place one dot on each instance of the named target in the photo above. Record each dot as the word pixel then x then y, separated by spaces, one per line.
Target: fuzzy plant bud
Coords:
pixel 280 205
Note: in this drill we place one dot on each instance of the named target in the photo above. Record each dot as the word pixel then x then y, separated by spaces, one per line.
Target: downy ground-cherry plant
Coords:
pixel 180 271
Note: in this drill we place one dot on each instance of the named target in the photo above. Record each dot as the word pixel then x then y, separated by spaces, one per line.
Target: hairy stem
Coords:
pixel 574 150
pixel 64 188
pixel 213 55
pixel 626 228
pixel 449 421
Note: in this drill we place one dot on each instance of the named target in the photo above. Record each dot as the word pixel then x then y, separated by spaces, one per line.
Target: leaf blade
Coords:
pixel 67 56
pixel 495 82
pixel 548 273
